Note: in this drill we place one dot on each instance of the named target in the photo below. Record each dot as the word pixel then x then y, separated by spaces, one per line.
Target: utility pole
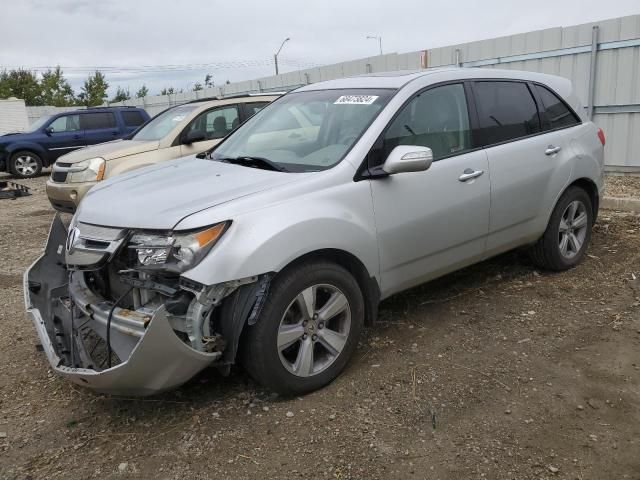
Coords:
pixel 275 56
pixel 379 39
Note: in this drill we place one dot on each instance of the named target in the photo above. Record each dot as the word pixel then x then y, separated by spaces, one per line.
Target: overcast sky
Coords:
pixel 236 39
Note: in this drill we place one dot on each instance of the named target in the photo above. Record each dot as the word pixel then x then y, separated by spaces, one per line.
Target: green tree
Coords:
pixel 121 95
pixel 197 87
pixel 5 91
pixel 208 81
pixel 21 84
pixel 168 91
pixel 143 91
pixel 55 89
pixel 94 90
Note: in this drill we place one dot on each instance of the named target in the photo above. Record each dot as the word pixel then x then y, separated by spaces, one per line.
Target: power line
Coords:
pixel 166 67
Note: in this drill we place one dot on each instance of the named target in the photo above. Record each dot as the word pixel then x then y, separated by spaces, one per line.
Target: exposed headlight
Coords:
pixel 91 170
pixel 177 251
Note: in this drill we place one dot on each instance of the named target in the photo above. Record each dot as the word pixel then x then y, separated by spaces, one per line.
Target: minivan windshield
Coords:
pixel 305 131
pixel 160 126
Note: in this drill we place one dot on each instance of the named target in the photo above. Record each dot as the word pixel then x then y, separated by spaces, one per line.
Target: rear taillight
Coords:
pixel 601 136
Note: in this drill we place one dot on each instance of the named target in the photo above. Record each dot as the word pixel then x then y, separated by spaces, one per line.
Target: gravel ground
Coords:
pixel 622 186
pixel 498 371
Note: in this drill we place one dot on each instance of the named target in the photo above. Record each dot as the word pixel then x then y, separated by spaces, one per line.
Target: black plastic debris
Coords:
pixel 13 190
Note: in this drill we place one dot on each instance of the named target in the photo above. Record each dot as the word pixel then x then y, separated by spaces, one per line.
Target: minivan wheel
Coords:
pixel 307 330
pixel 25 164
pixel 565 241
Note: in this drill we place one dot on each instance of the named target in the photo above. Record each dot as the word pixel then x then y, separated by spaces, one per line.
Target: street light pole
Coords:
pixel 275 56
pixel 379 39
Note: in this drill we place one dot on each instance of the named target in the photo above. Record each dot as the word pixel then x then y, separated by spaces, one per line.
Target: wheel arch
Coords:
pixel 542 252
pixel 28 147
pixel 368 284
pixel 230 308
pixel 591 188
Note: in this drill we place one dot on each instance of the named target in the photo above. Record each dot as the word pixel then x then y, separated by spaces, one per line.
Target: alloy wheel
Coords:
pixel 573 229
pixel 314 330
pixel 26 165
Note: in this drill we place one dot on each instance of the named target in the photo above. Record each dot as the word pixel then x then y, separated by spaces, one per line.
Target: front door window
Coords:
pixel 66 123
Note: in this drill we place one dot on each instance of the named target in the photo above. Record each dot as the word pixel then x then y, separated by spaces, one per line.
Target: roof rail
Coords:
pixel 239 95
pixel 110 106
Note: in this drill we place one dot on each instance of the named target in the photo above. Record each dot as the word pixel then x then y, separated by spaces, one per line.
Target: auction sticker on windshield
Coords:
pixel 356 100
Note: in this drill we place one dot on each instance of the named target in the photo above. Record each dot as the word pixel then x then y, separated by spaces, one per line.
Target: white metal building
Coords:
pixel 13 116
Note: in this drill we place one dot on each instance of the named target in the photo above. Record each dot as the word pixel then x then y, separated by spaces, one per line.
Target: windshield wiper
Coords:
pixel 255 162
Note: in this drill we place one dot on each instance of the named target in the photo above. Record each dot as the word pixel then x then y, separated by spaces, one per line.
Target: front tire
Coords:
pixel 564 243
pixel 25 164
pixel 308 329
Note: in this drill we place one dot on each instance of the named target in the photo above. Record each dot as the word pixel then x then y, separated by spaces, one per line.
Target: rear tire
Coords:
pixel 25 164
pixel 308 329
pixel 564 243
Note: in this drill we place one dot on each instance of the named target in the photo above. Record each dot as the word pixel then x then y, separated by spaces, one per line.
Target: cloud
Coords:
pixel 237 40
pixel 90 8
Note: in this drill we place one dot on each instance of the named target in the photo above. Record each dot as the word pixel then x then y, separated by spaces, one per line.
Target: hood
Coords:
pixel 159 196
pixel 110 150
pixel 12 137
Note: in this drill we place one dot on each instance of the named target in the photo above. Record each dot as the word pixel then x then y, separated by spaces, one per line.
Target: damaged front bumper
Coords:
pixel 73 323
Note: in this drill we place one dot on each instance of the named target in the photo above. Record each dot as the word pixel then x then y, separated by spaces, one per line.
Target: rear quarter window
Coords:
pixel 132 118
pixel 255 107
pixel 506 110
pixel 556 112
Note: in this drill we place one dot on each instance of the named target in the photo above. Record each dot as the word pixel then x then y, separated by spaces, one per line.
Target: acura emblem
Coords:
pixel 73 236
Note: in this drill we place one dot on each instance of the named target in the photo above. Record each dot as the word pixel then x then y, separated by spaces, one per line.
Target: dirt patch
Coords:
pixel 498 371
pixel 39 213
pixel 622 186
pixel 7 281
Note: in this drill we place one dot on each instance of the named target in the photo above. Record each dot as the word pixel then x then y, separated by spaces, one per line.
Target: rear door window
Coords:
pixel 506 110
pixel 132 118
pixel 556 112
pixel 97 121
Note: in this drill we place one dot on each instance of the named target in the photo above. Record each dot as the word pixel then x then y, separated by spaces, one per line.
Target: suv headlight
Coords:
pixel 177 251
pixel 91 170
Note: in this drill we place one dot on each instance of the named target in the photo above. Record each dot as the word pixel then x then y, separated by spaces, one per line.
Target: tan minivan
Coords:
pixel 179 131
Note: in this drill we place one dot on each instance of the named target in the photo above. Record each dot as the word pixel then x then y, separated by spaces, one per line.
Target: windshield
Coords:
pixel 306 131
pixel 160 126
pixel 38 124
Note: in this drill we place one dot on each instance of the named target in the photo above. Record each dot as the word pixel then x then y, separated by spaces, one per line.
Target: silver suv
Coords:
pixel 275 247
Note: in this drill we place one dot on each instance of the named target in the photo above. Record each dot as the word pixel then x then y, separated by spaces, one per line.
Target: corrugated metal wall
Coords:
pixel 285 81
pixel 13 116
pixel 617 75
pixel 35 113
pixel 564 51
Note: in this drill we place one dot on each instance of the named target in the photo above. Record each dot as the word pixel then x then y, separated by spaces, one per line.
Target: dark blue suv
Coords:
pixel 25 154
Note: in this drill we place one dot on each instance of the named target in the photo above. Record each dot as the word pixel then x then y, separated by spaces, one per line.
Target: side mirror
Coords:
pixel 193 136
pixel 408 158
pixel 48 131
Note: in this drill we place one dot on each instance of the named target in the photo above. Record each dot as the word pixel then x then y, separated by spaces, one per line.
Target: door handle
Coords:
pixel 76 137
pixel 470 174
pixel 114 133
pixel 551 150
